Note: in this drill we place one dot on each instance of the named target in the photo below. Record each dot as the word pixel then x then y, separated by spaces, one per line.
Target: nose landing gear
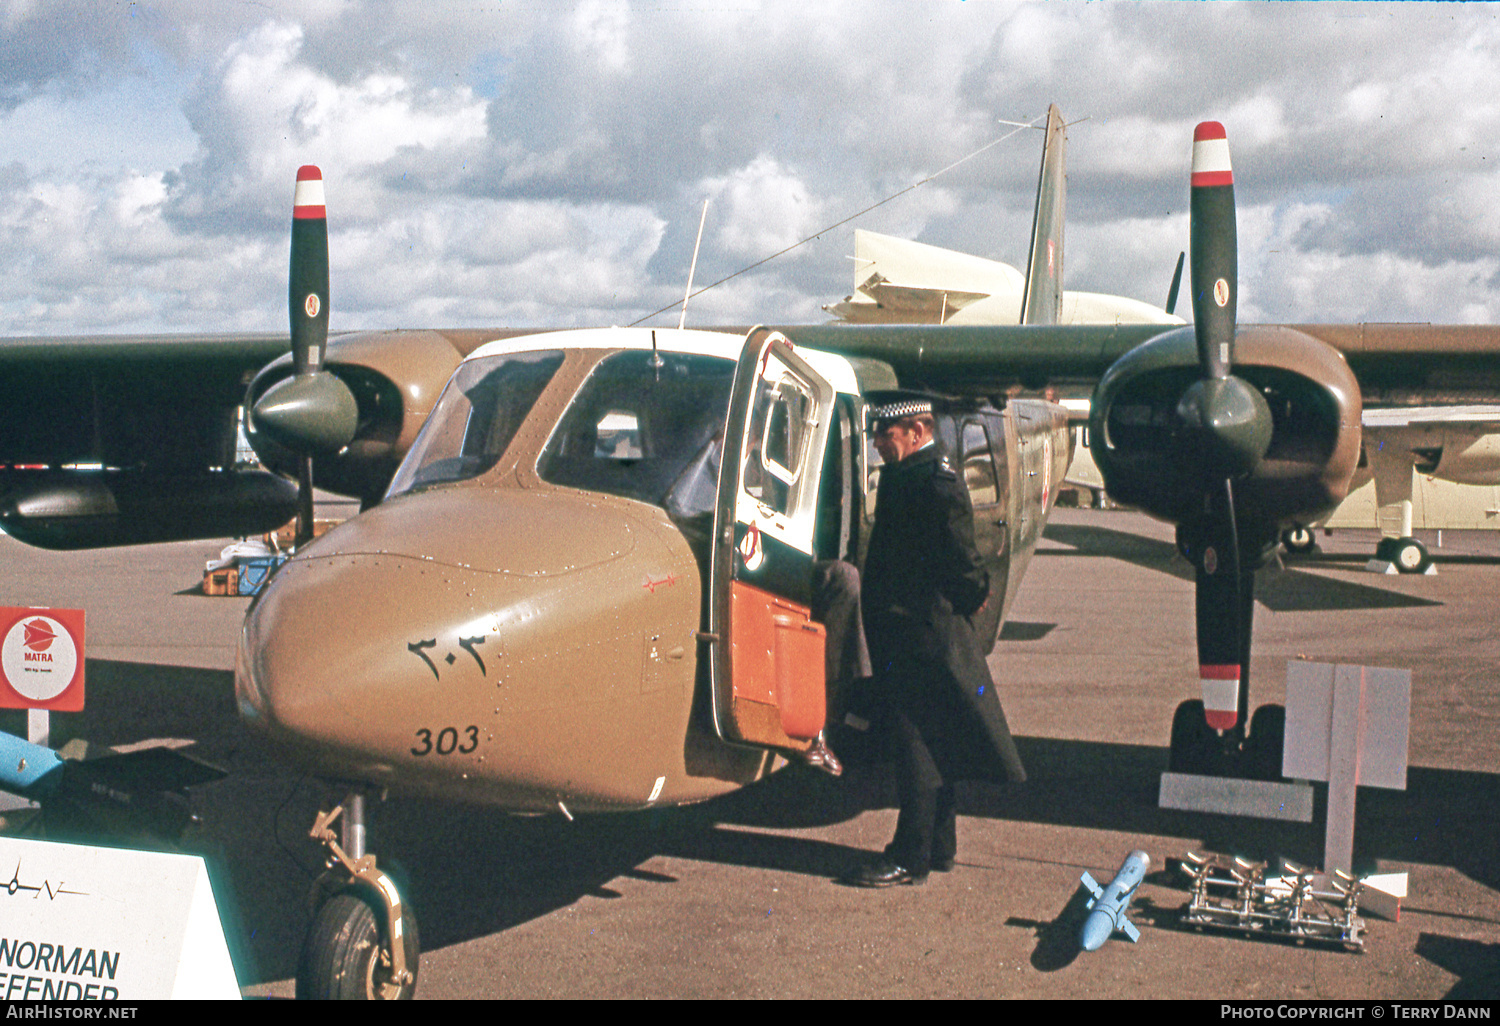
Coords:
pixel 362 943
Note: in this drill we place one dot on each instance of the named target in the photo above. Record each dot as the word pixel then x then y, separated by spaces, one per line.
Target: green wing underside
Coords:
pixel 167 402
pixel 1395 364
pixel 108 440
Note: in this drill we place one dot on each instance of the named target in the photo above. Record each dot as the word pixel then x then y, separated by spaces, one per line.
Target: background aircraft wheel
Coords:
pixel 341 956
pixel 1266 743
pixel 1194 742
pixel 1386 549
pixel 1410 556
pixel 1298 539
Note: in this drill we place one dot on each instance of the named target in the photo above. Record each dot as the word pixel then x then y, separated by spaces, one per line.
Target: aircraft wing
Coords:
pixel 884 302
pixel 897 281
pixel 1411 365
pixel 1482 417
pixel 144 426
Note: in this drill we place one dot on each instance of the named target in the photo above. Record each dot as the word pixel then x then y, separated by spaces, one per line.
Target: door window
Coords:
pixel 979 465
pixel 780 433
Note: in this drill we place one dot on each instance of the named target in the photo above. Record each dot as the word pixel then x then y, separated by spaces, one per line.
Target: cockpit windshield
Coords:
pixel 475 418
pixel 642 426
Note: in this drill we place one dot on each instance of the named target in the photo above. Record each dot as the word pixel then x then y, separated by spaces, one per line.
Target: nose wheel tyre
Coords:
pixel 1194 746
pixel 342 960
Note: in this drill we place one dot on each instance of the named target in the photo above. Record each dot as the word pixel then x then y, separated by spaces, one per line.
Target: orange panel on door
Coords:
pixel 776 662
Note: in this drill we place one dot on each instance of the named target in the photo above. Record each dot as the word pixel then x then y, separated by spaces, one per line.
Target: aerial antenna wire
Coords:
pixel 989 145
pixel 687 293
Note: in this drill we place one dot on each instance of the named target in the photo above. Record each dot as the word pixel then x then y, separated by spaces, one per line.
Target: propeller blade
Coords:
pixel 307 291
pixel 304 531
pixel 1215 250
pixel 1171 306
pixel 1233 426
pixel 1227 414
pixel 312 411
pixel 1224 603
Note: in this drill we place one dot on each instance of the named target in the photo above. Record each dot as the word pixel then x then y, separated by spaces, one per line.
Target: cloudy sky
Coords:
pixel 538 162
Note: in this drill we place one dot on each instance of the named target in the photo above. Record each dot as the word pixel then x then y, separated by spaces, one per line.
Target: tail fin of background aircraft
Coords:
pixel 1042 301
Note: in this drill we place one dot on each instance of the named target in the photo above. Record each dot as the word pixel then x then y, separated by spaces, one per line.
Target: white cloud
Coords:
pixel 761 208
pixel 545 164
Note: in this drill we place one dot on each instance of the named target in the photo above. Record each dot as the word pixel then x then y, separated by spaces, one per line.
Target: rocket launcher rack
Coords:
pixel 1234 894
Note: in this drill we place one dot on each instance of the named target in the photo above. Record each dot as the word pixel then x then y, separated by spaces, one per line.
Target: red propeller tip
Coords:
pixel 308 202
pixel 1211 156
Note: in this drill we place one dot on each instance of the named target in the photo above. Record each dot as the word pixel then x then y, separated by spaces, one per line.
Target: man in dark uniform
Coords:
pixel 923 579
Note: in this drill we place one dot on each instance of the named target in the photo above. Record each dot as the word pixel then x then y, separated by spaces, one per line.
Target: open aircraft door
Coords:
pixel 767 653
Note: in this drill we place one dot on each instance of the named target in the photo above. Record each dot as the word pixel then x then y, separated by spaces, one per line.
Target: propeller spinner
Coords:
pixel 312 412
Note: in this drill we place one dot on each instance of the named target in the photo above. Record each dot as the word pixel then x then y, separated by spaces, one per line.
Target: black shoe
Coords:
pixel 821 757
pixel 885 873
pixel 942 865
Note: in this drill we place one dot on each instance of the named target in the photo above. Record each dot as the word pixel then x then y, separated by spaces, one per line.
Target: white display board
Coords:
pixel 1348 725
pixel 79 923
pixel 1350 720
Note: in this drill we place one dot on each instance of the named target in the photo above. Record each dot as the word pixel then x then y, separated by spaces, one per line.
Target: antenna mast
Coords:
pixel 688 292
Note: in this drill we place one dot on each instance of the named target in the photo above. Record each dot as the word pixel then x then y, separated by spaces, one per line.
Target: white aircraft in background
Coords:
pixel 1430 467
pixel 901 282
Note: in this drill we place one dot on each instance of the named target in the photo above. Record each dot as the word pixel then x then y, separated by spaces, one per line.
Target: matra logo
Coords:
pixel 39 637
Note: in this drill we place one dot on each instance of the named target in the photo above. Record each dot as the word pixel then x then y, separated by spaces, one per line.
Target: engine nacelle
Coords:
pixel 1150 459
pixel 395 377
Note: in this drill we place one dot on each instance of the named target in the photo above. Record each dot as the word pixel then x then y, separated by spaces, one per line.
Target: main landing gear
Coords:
pixel 1407 554
pixel 1200 750
pixel 362 944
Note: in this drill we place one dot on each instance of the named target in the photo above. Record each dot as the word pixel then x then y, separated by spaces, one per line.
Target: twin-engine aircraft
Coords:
pixel 581 579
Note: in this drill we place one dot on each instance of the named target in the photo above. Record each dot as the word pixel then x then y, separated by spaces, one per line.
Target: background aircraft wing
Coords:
pixel 1484 418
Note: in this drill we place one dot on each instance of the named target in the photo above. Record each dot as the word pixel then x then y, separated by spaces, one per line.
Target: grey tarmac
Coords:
pixel 737 898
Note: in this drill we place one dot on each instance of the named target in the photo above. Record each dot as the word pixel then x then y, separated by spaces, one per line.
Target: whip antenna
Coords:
pixel 693 267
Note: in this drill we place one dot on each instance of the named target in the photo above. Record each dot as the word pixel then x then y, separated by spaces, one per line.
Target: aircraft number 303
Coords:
pixel 447 741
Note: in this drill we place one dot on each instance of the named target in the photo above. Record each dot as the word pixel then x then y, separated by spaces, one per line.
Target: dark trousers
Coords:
pixel 835 604
pixel 927 825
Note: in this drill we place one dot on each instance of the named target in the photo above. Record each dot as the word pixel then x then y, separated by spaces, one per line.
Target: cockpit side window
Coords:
pixel 475 419
pixel 641 422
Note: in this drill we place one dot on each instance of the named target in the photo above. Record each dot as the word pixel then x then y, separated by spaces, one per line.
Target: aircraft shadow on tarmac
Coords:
pixel 1284 590
pixel 472 872
pixel 1475 963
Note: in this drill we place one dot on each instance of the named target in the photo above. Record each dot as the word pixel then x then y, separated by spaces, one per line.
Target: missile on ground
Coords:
pixel 1109 904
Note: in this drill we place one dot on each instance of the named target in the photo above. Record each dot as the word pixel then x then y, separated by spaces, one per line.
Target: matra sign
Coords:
pixel 41 658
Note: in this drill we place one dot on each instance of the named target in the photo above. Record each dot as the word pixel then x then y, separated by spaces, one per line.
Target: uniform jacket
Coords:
pixel 923 579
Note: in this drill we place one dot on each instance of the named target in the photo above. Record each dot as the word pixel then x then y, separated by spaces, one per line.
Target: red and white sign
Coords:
pixel 41 658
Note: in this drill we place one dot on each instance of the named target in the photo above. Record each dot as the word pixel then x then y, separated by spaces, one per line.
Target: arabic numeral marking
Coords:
pixel 447 742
